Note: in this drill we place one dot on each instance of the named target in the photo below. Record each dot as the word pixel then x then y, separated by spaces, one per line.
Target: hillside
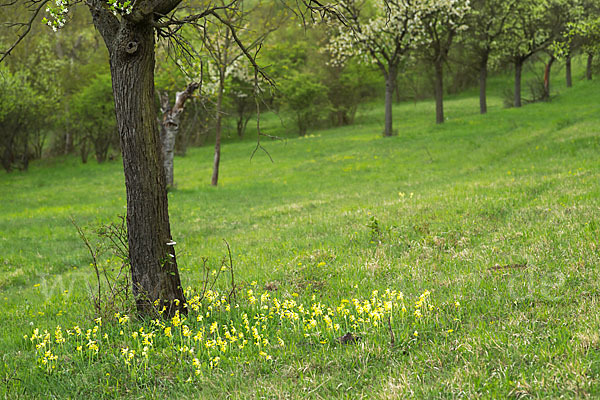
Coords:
pixel 496 214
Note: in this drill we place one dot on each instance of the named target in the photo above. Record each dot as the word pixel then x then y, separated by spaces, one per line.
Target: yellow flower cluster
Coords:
pixel 214 332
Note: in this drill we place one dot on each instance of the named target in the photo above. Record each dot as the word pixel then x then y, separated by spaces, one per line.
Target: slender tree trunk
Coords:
pixel 518 73
pixel 569 75
pixel 483 85
pixel 389 98
pixel 217 159
pixel 439 91
pixel 588 70
pixel 170 127
pixel 547 71
pixel 155 277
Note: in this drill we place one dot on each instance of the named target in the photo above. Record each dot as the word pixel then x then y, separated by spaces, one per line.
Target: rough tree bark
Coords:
pixel 130 42
pixel 170 126
pixel 568 73
pixel 518 74
pixel 439 90
pixel 588 69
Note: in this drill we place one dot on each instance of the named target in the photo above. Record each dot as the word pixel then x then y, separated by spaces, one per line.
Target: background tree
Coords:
pixel 486 23
pixel 305 98
pixel 441 21
pixel 170 126
pixel 383 38
pixel 582 34
pixel 17 127
pixel 93 114
pixel 535 25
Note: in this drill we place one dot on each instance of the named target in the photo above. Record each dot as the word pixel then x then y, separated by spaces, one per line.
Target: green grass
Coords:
pixel 337 215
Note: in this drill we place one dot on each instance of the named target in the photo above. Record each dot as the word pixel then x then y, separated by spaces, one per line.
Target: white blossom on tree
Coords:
pixel 387 33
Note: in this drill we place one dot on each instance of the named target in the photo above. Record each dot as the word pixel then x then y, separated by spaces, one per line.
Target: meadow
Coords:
pixel 462 259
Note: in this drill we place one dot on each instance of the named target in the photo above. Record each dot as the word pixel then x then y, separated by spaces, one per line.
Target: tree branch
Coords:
pixel 27 25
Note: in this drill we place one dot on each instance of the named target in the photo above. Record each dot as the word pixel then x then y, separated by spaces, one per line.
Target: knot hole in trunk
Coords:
pixel 131 47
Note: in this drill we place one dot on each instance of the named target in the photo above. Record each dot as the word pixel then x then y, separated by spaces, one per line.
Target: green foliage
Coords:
pixel 22 110
pixel 306 98
pixel 94 119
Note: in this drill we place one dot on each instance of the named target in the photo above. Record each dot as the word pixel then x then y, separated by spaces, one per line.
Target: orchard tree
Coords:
pixel 441 21
pixel 486 23
pixel 383 38
pixel 581 34
pixel 241 91
pixel 129 29
pixel 535 25
pixel 223 45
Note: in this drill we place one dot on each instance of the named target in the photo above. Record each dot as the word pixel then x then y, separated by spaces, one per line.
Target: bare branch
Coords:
pixel 190 19
pixel 27 25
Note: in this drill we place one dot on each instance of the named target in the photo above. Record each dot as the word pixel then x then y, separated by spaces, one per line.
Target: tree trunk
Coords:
pixel 483 85
pixel 568 72
pixel 518 73
pixel 83 151
pixel 389 94
pixel 217 159
pixel 547 71
pixel 155 277
pixel 170 127
pixel 588 70
pixel 439 91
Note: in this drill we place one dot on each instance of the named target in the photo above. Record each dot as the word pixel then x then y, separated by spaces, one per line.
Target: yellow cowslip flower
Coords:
pixel 147 338
pixel 92 346
pixel 328 322
pixel 281 342
pixel 387 306
pixel 198 336
pixel 98 321
pixel 185 331
pixel 176 320
pixel 134 335
pixel 215 361
pixel 317 309
pixel 58 337
pixel 416 334
pixel 168 332
pixel 214 327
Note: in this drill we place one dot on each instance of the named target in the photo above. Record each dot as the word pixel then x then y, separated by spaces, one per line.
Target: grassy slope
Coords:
pixel 513 186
